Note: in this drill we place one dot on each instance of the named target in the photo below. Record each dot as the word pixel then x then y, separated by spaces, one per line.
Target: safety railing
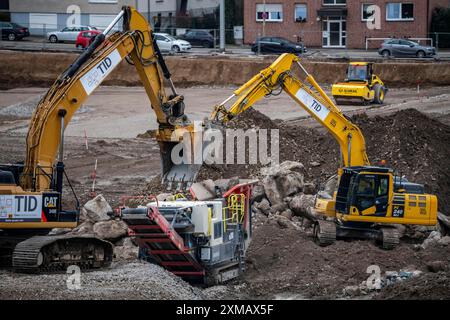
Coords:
pixel 234 212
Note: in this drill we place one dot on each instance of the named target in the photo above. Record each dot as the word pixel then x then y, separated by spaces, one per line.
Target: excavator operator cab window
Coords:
pixel 6 177
pixel 372 190
pixel 357 72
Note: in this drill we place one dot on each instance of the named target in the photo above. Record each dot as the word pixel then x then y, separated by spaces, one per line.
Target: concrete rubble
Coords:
pixel 96 219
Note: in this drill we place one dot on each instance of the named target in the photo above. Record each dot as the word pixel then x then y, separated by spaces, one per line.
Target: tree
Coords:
pixel 440 23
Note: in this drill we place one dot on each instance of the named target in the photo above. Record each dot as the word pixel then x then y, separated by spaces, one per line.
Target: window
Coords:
pixel 399 11
pixel 334 2
pixel 269 12
pixel 393 42
pixel 407 43
pixel 367 11
pixel 300 13
pixel 383 188
pixel 366 186
pixel 217 230
pixel 357 73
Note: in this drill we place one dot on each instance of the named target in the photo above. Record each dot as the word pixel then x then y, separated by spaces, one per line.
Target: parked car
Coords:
pixel 277 45
pixel 199 38
pixel 168 43
pixel 85 38
pixel 67 33
pixel 13 31
pixel 405 48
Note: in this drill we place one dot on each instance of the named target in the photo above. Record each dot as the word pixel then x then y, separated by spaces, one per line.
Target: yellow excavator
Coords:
pixel 30 193
pixel 366 201
pixel 361 84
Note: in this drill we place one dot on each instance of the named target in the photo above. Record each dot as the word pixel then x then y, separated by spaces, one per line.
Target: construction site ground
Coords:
pixel 283 261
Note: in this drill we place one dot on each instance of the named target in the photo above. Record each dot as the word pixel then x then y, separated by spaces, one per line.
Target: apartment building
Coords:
pixel 57 14
pixel 338 23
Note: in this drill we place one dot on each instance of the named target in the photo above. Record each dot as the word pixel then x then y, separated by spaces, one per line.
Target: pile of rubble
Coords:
pixel 283 191
pixel 96 218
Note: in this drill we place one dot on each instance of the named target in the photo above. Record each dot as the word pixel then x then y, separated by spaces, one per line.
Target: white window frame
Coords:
pixel 334 3
pixel 400 11
pixel 362 11
pixel 104 1
pixel 268 5
pixel 295 11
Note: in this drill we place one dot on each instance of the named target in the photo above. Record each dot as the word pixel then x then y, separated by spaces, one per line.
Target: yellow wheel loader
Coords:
pixel 361 84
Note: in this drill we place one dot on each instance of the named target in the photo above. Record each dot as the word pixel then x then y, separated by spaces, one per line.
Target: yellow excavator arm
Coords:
pixel 72 88
pixel 309 95
pixel 388 207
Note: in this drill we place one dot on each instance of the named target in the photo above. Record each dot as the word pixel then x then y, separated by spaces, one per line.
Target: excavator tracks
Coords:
pixel 55 253
pixel 389 238
pixel 325 232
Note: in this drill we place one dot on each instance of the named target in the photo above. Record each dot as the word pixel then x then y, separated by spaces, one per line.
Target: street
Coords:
pixel 40 44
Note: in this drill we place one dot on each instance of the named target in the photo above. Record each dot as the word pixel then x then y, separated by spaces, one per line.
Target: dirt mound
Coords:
pixel 317 151
pixel 410 142
pixel 413 145
pixel 287 261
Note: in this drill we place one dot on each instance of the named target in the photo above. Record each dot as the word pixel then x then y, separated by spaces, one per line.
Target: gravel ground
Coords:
pixel 25 109
pixel 123 280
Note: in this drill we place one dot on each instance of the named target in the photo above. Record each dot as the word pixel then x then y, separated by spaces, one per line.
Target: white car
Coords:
pixel 168 43
pixel 67 34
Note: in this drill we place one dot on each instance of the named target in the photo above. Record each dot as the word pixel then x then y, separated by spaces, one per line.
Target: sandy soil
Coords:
pixel 124 112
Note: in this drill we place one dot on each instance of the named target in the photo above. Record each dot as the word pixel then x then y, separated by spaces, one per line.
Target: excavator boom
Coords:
pixel 309 95
pixel 30 194
pixel 366 197
pixel 54 112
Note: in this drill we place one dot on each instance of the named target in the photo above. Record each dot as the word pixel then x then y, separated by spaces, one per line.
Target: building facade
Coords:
pixel 338 23
pixel 47 15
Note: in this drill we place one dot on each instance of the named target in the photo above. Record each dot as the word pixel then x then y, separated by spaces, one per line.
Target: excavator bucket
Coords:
pixel 176 176
pixel 180 175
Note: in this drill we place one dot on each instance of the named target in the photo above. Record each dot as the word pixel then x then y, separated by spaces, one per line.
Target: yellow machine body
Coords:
pixel 361 84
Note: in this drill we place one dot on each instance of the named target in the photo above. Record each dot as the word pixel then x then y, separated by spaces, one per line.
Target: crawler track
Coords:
pixel 55 253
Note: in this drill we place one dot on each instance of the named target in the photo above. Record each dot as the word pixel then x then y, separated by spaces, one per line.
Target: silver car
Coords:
pixel 405 48
pixel 167 43
pixel 67 34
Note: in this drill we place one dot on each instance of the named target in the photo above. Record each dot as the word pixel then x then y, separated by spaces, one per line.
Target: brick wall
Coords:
pixel 311 30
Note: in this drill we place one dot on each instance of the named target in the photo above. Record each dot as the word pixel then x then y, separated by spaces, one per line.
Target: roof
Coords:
pixel 368 168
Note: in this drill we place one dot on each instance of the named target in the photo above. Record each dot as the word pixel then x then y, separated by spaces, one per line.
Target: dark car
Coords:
pixel 12 31
pixel 405 48
pixel 199 38
pixel 277 45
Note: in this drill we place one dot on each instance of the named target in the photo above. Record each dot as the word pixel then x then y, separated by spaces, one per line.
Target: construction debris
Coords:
pixel 96 210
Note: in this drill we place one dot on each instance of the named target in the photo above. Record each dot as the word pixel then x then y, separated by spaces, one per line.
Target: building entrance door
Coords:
pixel 334 33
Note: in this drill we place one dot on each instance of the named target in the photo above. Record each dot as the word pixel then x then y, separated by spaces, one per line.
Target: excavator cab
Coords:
pixel 364 192
pixel 376 195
